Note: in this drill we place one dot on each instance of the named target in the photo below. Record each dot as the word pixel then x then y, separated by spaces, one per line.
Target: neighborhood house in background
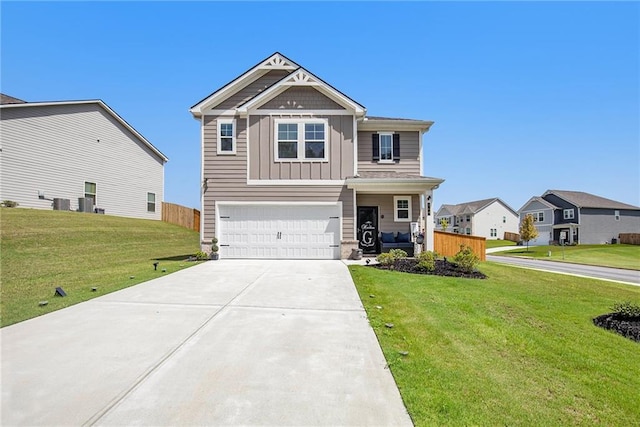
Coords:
pixel 294 168
pixel 78 155
pixel 580 217
pixel 488 218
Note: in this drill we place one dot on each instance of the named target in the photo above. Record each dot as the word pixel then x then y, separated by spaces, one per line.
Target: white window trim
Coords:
pixel 95 195
pixel 301 122
pixel 154 202
pixel 395 208
pixel 616 215
pixel 568 214
pixel 380 160
pixel 233 137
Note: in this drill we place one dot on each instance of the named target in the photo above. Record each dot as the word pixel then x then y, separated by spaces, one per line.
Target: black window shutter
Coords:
pixel 396 147
pixel 375 146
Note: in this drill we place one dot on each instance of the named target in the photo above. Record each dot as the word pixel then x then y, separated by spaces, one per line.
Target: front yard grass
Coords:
pixel 42 250
pixel 514 349
pixel 619 256
pixel 498 243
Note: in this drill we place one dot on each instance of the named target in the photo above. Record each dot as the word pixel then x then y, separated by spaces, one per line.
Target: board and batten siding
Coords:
pixel 409 154
pixel 262 151
pixel 56 148
pixel 251 90
pixel 227 182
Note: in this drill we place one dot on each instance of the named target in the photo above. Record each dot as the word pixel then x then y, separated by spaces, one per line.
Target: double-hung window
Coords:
pixel 226 136
pixel 568 214
pixel 494 232
pixel 90 191
pixel 402 208
pixel 151 202
pixel 301 140
pixel 386 147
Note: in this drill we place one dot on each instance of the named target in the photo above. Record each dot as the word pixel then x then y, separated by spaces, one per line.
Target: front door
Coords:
pixel 368 229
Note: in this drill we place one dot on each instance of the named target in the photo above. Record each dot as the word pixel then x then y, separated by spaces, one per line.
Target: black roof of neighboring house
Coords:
pixel 6 99
pixel 586 200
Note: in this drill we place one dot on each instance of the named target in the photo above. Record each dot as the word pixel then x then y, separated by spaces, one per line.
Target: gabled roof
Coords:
pixel 475 206
pixel 586 200
pixel 302 77
pixel 539 200
pixel 277 61
pixel 101 104
pixel 297 76
pixel 6 99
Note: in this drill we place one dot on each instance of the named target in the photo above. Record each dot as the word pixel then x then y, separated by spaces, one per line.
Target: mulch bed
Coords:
pixel 442 268
pixel 626 326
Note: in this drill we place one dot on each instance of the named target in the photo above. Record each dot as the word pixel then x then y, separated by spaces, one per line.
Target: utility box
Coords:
pixel 61 204
pixel 85 204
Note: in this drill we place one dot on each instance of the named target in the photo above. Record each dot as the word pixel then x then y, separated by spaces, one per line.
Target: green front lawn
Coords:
pixel 42 250
pixel 515 349
pixel 498 243
pixel 620 256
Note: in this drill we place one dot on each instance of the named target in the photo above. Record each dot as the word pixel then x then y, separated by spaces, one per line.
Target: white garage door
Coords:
pixel 279 231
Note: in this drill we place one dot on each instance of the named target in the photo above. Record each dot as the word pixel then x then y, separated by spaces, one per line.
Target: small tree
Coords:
pixel 528 230
pixel 444 224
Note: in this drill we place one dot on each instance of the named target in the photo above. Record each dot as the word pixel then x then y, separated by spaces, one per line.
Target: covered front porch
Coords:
pixel 393 210
pixel 566 234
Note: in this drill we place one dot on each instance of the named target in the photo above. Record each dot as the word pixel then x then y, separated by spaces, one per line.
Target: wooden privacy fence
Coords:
pixel 630 238
pixel 512 237
pixel 181 215
pixel 448 244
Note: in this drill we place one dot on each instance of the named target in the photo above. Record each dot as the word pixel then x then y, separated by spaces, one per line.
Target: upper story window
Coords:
pixel 616 214
pixel 468 218
pixel 538 216
pixel 301 140
pixel 494 232
pixel 504 219
pixel 90 191
pixel 385 147
pixel 568 214
pixel 226 136
pixel 402 208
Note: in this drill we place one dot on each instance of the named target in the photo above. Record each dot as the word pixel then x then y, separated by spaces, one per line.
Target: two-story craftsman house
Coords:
pixel 294 168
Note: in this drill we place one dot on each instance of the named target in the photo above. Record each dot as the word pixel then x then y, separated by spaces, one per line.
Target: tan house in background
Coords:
pixel 294 168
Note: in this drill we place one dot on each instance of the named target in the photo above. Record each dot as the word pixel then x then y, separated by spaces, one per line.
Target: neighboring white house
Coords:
pixel 78 154
pixel 488 218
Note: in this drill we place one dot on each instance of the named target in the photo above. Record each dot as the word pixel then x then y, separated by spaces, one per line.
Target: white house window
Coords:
pixel 90 191
pixel 494 232
pixel 538 217
pixel 617 215
pixel 226 136
pixel 386 147
pixel 301 140
pixel 402 209
pixel 468 231
pixel 151 202
pixel 504 219
pixel 568 214
pixel 468 218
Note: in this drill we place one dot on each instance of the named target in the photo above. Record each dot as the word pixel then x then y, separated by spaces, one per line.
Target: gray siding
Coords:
pixel 251 90
pixel 56 149
pixel 303 98
pixel 227 181
pixel 409 154
pixel 264 166
pixel 599 225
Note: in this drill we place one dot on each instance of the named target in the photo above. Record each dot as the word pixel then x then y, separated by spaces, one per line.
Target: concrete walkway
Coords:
pixel 221 343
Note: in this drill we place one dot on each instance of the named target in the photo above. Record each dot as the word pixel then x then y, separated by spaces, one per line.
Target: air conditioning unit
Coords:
pixel 61 204
pixel 85 204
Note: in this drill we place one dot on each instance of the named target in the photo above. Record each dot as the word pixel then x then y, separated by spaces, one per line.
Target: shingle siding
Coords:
pixel 303 98
pixel 251 90
pixel 57 148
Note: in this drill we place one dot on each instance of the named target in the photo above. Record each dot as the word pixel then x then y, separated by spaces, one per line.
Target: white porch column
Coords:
pixel 428 219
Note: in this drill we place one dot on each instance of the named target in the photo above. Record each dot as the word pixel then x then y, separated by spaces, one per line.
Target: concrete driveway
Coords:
pixel 222 343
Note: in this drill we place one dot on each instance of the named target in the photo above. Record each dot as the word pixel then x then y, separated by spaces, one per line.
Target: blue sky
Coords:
pixel 526 96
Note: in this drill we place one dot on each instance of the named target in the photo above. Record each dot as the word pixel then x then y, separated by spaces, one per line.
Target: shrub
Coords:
pixel 385 259
pixel 465 259
pixel 398 254
pixel 626 310
pixel 214 245
pixel 9 203
pixel 427 260
pixel 201 256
